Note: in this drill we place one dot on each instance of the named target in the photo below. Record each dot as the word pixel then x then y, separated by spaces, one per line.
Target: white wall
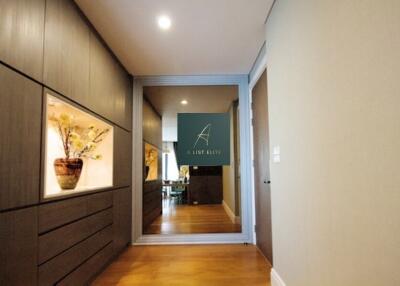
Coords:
pixel 228 172
pixel 334 103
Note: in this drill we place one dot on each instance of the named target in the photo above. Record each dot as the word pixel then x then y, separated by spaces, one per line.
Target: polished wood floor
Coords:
pixel 188 265
pixel 187 219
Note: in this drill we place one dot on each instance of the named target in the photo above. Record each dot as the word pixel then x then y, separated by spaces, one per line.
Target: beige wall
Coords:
pixel 334 103
pixel 228 172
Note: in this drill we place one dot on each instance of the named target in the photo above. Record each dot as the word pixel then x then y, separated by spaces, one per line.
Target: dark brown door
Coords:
pixel 261 167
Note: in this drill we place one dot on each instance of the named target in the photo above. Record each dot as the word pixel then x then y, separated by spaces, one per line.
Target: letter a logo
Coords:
pixel 204 135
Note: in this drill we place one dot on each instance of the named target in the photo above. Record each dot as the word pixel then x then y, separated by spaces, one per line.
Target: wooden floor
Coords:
pixel 188 265
pixel 186 219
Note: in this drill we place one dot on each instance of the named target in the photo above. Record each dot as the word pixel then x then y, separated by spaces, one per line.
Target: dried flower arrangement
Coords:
pixel 78 142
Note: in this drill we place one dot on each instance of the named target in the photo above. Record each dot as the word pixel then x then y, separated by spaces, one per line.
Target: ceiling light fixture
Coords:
pixel 164 22
pixel 184 102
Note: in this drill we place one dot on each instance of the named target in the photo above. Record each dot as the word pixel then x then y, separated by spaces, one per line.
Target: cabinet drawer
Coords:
pixel 89 269
pixel 59 213
pixel 58 267
pixel 56 214
pixel 55 242
pixel 98 202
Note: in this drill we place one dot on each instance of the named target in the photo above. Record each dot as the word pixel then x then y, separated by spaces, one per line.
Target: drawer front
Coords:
pixel 98 202
pixel 58 267
pixel 59 240
pixel 57 214
pixel 89 269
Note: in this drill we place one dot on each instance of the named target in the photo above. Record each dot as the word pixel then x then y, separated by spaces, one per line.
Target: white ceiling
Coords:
pixel 206 37
pixel 201 99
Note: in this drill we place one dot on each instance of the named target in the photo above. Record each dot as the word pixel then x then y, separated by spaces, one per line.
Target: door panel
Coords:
pixel 261 167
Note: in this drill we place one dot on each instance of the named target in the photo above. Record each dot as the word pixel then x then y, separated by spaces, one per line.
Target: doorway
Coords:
pixel 246 233
pixel 190 198
pixel 262 190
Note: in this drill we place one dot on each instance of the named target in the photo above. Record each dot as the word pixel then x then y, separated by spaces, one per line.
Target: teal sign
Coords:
pixel 203 139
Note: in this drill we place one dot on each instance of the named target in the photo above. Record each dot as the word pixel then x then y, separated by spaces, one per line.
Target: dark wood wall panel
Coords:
pixel 108 78
pixel 122 218
pixel 152 129
pixel 20 137
pixel 18 251
pixel 122 158
pixel 63 264
pixel 101 81
pixel 21 35
pixel 54 242
pixel 66 50
pixel 84 274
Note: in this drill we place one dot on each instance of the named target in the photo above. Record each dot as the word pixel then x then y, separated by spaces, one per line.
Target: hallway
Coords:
pixel 186 219
pixel 189 265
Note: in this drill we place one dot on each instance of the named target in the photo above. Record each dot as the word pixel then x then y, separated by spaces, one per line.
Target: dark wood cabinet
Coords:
pixel 87 271
pixel 66 262
pixel 152 202
pixel 21 35
pixel 20 137
pixel 66 50
pixel 122 158
pixel 18 251
pixel 206 185
pixel 55 242
pixel 50 46
pixel 122 218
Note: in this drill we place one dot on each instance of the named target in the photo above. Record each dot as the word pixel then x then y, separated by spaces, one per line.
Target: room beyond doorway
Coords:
pixel 189 199
pixel 187 219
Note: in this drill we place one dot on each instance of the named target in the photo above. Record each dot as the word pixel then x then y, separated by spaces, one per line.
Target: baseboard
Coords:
pixel 230 213
pixel 276 280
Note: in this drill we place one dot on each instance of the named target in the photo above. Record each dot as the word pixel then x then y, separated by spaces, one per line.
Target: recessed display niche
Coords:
pixel 78 150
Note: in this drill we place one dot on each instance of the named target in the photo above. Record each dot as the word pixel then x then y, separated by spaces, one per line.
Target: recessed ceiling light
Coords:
pixel 184 102
pixel 164 22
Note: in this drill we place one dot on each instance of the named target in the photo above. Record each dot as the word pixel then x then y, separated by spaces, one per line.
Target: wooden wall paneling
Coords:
pixel 110 87
pixel 152 129
pixel 20 137
pixel 123 97
pixel 21 35
pixel 119 94
pixel 126 215
pixel 66 50
pixel 122 209
pixel 58 267
pixel 18 251
pixel 101 78
pixel 54 242
pixel 86 272
pixel 122 157
pixel 129 102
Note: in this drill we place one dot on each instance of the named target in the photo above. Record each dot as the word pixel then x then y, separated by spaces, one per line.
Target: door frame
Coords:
pixel 247 200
